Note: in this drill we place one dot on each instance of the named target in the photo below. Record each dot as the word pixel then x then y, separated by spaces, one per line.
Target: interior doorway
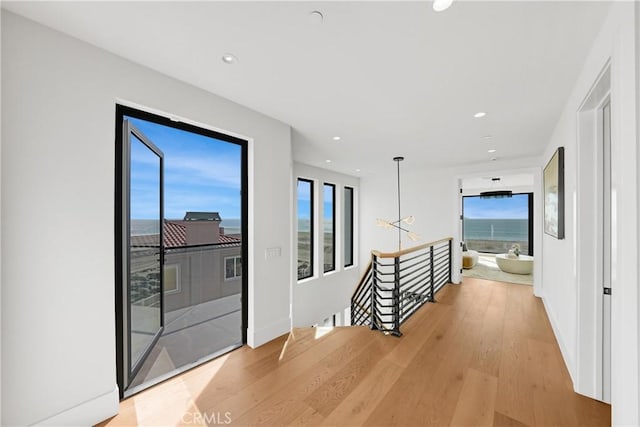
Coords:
pixel 497 225
pixel 181 246
pixel 594 240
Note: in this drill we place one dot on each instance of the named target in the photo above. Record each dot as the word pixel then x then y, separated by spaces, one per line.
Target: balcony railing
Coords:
pixel 395 285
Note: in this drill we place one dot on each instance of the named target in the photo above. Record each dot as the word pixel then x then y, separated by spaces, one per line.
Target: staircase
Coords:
pixel 395 285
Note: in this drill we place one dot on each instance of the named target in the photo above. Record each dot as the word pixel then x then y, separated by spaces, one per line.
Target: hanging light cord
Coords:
pixel 398 159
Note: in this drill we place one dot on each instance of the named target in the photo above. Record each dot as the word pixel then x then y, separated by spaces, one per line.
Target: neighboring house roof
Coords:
pixel 175 236
pixel 229 239
pixel 202 216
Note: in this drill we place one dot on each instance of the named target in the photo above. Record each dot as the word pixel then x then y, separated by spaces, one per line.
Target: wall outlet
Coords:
pixel 272 253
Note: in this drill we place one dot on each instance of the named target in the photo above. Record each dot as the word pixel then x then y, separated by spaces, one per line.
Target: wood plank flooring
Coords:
pixel 484 355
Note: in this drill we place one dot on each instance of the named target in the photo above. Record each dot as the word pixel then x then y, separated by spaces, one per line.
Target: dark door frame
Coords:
pixel 122 111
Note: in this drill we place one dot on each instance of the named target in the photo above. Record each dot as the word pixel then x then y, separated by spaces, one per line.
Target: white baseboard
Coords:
pixel 257 337
pixel 561 342
pixel 87 413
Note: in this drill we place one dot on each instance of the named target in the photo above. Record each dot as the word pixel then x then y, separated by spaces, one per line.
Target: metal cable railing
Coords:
pixel 395 285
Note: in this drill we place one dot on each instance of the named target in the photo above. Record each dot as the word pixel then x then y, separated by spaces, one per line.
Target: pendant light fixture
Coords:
pixel 495 194
pixel 398 224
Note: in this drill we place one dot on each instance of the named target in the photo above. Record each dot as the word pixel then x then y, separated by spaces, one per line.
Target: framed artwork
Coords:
pixel 554 195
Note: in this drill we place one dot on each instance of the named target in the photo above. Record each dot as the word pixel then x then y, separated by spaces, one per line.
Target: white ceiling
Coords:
pixel 507 182
pixel 391 78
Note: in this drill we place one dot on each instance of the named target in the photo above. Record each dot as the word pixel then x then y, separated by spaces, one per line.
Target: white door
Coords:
pixel 606 249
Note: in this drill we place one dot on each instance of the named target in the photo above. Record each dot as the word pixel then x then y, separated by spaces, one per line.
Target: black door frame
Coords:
pixel 121 112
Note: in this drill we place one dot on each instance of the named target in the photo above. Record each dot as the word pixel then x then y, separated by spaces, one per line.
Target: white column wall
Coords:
pixel 562 291
pixel 58 124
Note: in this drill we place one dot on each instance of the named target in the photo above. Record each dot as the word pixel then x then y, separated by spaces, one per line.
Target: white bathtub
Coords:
pixel 522 264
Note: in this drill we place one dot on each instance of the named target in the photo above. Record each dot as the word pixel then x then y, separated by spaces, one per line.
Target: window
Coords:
pixel 494 225
pixel 347 239
pixel 305 228
pixel 171 278
pixel 232 267
pixel 329 227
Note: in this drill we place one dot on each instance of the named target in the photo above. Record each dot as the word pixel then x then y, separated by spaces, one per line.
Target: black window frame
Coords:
pixel 333 229
pixel 348 240
pixel 531 219
pixel 311 226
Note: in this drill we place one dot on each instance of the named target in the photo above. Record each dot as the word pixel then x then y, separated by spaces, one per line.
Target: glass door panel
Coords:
pixel 144 278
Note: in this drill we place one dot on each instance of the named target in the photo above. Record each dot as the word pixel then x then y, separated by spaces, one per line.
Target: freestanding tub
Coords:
pixel 522 264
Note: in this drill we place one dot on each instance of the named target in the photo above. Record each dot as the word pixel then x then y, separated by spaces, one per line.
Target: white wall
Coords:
pixel 562 290
pixel 427 195
pixel 322 295
pixel 58 124
pixel 637 5
pixel 1 244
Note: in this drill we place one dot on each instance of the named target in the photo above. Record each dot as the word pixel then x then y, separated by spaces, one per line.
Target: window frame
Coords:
pixel 348 240
pixel 531 225
pixel 235 267
pixel 312 208
pixel 333 228
pixel 178 287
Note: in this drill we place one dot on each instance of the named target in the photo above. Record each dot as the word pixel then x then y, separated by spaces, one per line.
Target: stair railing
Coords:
pixel 395 285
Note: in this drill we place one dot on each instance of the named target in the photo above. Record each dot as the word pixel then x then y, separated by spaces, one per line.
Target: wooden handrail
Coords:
pixel 409 250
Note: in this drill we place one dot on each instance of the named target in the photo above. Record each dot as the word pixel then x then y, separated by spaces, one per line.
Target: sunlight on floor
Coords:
pixel 488 261
pixel 154 412
pixel 284 348
pixel 322 331
pixel 487 268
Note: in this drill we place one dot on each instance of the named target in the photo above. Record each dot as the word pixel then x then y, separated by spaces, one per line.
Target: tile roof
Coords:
pixel 175 236
pixel 229 239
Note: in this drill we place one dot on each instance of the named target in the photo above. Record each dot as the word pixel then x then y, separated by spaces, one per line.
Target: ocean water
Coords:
pixel 231 225
pixel 305 225
pixel 141 227
pixel 496 229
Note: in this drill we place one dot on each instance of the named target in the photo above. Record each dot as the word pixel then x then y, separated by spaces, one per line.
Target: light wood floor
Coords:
pixel 483 355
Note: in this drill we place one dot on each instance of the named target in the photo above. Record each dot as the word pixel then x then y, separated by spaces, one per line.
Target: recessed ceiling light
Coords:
pixel 357 170
pixel 440 5
pixel 229 58
pixel 487 137
pixel 327 161
pixel 479 114
pixel 336 138
pixel 493 150
pixel 317 16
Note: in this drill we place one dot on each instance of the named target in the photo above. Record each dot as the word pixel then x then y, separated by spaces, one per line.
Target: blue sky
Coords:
pixel 200 174
pixel 304 195
pixel 516 207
